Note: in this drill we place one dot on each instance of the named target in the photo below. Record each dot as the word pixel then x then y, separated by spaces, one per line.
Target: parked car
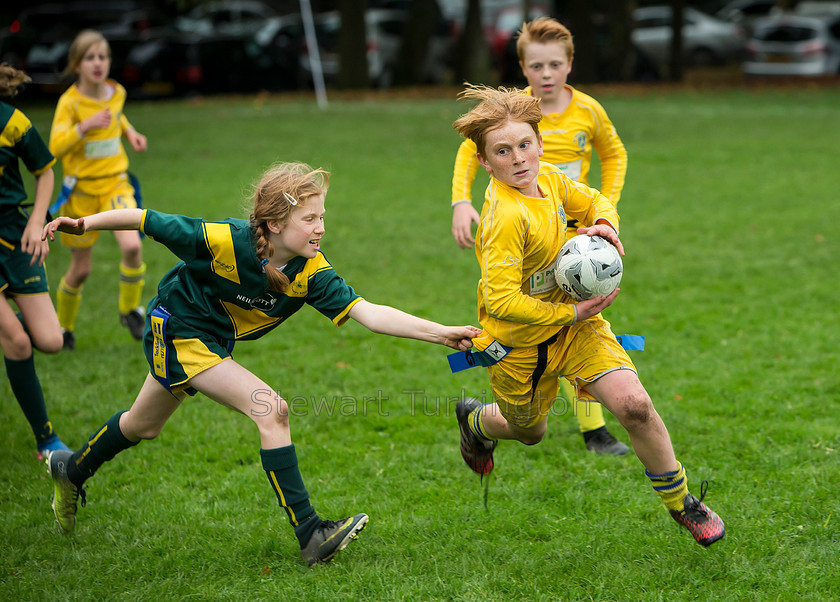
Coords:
pixel 794 45
pixel 745 13
pixel 226 17
pixel 180 63
pixel 385 29
pixel 123 24
pixel 706 40
pixel 43 23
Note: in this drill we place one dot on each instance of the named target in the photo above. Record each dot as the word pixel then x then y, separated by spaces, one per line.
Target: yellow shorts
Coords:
pixel 526 381
pixel 79 204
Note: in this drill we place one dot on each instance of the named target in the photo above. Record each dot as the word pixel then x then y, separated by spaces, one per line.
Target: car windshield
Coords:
pixel 787 33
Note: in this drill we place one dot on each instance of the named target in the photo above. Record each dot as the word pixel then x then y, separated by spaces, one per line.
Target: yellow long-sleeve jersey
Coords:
pixel 517 240
pixel 99 153
pixel 568 140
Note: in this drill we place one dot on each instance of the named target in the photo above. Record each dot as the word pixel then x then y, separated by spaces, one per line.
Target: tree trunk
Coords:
pixel 412 68
pixel 584 67
pixel 473 55
pixel 620 58
pixel 675 62
pixel 352 45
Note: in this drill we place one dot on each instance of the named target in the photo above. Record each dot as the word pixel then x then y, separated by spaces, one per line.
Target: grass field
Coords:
pixel 730 221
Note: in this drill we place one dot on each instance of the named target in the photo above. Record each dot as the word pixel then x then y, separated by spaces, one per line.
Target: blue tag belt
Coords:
pixel 463 360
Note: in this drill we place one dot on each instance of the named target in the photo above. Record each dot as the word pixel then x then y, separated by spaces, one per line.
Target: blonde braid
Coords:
pixel 277 280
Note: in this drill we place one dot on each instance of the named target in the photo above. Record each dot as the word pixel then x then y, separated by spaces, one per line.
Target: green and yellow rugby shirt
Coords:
pixel 219 286
pixel 19 140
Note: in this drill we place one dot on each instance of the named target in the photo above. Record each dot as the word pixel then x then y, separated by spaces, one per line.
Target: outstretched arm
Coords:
pixel 115 219
pixel 383 319
pixel 31 241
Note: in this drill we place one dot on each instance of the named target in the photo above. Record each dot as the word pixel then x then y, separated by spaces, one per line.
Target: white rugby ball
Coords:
pixel 587 267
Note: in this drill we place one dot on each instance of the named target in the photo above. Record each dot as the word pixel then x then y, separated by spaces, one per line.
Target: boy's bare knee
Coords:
pixel 636 408
pixel 532 435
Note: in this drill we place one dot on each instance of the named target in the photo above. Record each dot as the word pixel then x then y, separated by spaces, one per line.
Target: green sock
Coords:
pixel 30 396
pixel 281 467
pixel 102 446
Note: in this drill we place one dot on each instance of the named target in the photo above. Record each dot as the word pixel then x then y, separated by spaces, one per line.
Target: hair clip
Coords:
pixel 290 198
pixel 263 263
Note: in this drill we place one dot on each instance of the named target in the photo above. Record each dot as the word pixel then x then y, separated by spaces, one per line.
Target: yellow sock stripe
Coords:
pixel 91 442
pixel 128 274
pixel 282 497
pixel 66 289
pixel 475 423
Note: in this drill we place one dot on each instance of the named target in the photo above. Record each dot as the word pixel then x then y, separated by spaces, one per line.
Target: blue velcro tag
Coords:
pixel 68 183
pixel 631 342
pixel 463 360
pixel 158 319
pixel 138 194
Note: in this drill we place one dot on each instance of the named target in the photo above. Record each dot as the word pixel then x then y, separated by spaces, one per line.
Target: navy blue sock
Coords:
pixel 281 467
pixel 102 446
pixel 27 389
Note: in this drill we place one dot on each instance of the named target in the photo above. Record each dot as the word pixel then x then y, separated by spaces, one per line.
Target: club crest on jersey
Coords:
pixel 580 140
pixel 264 302
pixel 226 267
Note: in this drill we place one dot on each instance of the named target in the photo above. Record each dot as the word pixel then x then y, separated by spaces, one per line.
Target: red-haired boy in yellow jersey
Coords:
pixel 86 131
pixel 531 339
pixel 572 124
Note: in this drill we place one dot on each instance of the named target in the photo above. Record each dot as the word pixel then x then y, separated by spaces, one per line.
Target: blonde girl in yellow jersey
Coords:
pixel 572 124
pixel 86 136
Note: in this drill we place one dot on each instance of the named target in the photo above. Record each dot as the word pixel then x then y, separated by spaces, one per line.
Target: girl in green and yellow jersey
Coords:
pixel 22 274
pixel 237 280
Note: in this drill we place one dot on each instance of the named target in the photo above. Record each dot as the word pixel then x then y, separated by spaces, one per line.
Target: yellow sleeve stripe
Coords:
pixel 15 129
pixel 44 169
pixel 343 316
pixel 143 222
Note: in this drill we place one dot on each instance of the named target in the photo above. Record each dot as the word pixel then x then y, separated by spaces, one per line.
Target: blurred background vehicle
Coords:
pixel 226 17
pixel 706 39
pixel 181 63
pixel 745 13
pixel 384 34
pixel 44 32
pixel 794 45
pixel 247 45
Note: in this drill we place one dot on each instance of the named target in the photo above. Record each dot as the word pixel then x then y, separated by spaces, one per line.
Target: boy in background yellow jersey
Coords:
pixel 572 124
pixel 531 339
pixel 86 131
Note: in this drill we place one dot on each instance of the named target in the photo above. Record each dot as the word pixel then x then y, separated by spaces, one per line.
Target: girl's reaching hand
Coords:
pixel 459 337
pixel 63 224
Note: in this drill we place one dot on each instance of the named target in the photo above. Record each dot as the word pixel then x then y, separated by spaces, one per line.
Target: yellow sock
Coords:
pixel 589 414
pixel 68 300
pixel 672 487
pixel 474 421
pixel 131 287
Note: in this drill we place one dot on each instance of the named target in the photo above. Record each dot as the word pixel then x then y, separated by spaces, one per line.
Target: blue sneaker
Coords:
pixel 50 445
